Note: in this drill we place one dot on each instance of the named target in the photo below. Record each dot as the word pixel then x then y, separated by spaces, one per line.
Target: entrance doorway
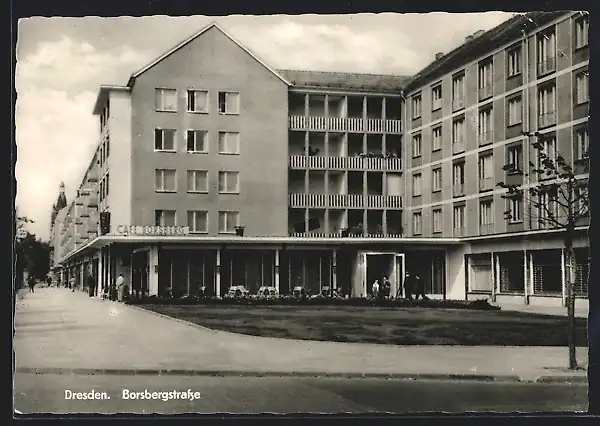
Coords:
pixel 139 273
pixel 385 265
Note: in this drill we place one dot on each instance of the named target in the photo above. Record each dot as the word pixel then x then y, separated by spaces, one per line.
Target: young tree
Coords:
pixel 556 193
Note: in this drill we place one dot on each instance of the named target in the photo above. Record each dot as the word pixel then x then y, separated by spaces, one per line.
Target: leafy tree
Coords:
pixel 32 254
pixel 557 195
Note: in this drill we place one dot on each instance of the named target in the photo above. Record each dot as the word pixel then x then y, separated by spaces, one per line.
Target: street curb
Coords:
pixel 301 374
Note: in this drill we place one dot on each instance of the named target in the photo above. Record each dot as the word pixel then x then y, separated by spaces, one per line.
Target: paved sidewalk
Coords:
pixel 59 329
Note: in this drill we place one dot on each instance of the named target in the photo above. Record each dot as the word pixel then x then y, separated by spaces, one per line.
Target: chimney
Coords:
pixel 468 38
pixel 438 55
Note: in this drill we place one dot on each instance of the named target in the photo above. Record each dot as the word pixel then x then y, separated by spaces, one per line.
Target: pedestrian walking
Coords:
pixel 420 288
pixel 409 286
pixel 31 283
pixel 72 284
pixel 120 287
pixel 375 289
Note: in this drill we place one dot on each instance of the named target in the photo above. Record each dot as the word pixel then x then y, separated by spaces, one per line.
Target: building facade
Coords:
pixel 214 169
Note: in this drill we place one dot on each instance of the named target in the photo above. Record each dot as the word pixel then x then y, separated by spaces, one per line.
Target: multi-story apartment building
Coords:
pixel 214 169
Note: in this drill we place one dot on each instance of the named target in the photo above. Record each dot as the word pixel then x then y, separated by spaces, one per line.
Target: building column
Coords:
pixel 525 277
pixel 218 274
pixel 153 271
pixel 100 273
pixel 334 270
pixel 494 281
pixel 496 266
pixel 563 275
pixel 277 264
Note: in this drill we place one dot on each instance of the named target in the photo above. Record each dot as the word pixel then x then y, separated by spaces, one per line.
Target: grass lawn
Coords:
pixel 397 326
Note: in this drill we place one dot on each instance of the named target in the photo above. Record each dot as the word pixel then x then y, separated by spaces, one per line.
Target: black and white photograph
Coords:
pixel 302 214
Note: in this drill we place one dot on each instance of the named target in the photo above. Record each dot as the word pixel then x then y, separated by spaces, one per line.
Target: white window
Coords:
pixel 229 103
pixel 197 141
pixel 485 125
pixel 515 208
pixel 486 74
pixel 486 165
pixel 486 214
pixel 458 130
pixel 513 58
pixel 515 111
pixel 459 217
pixel 416 106
pixel 547 152
pixel 582 87
pixel 582 200
pixel 165 218
pixel 197 181
pixel 417 190
pixel 436 97
pixel 165 180
pixel 515 157
pixel 417 223
pixel 547 208
pixel 197 221
pixel 436 143
pixel 229 182
pixel 228 220
pixel 436 177
pixel 546 105
pixel 546 46
pixel 458 89
pixel 165 99
pixel 458 178
pixel 582 26
pixel 197 101
pixel 229 143
pixel 583 143
pixel 437 220
pixel 164 139
pixel 416 146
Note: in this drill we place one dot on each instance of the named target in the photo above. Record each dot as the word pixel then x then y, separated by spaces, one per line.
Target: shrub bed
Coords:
pixel 320 301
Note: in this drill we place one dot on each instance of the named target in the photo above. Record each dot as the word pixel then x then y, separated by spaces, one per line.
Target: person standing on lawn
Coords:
pixel 420 288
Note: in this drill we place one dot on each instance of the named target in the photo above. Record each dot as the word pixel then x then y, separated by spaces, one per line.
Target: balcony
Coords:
pixel 343 201
pixel 92 176
pixel 459 232
pixel 346 163
pixel 343 124
pixel 458 103
pixel 458 190
pixel 458 147
pixel 486 137
pixel 486 229
pixel 546 66
pixel 486 184
pixel 486 92
pixel 547 119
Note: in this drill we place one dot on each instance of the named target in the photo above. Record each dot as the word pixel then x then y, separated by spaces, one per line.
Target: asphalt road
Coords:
pixel 45 393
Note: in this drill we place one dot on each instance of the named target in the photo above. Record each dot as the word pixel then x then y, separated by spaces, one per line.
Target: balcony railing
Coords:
pixel 486 229
pixel 547 66
pixel 346 201
pixel 458 190
pixel 346 163
pixel 486 92
pixel 345 124
pixel 486 137
pixel 547 119
pixel 339 235
pixel 458 103
pixel 458 147
pixel 486 184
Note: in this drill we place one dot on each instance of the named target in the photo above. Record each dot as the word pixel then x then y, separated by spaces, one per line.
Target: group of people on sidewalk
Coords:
pixel 119 291
pixel 413 285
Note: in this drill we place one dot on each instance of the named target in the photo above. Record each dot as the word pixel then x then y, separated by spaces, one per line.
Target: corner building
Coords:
pixel 214 169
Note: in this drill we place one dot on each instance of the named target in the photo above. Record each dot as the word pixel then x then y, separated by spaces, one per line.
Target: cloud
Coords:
pixel 289 44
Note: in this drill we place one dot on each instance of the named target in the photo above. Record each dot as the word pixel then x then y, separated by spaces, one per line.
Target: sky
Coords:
pixel 61 62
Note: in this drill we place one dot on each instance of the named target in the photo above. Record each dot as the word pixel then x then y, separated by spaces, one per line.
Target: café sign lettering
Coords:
pixel 143 230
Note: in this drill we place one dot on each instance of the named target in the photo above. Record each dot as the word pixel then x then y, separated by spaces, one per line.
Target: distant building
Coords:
pixel 214 169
